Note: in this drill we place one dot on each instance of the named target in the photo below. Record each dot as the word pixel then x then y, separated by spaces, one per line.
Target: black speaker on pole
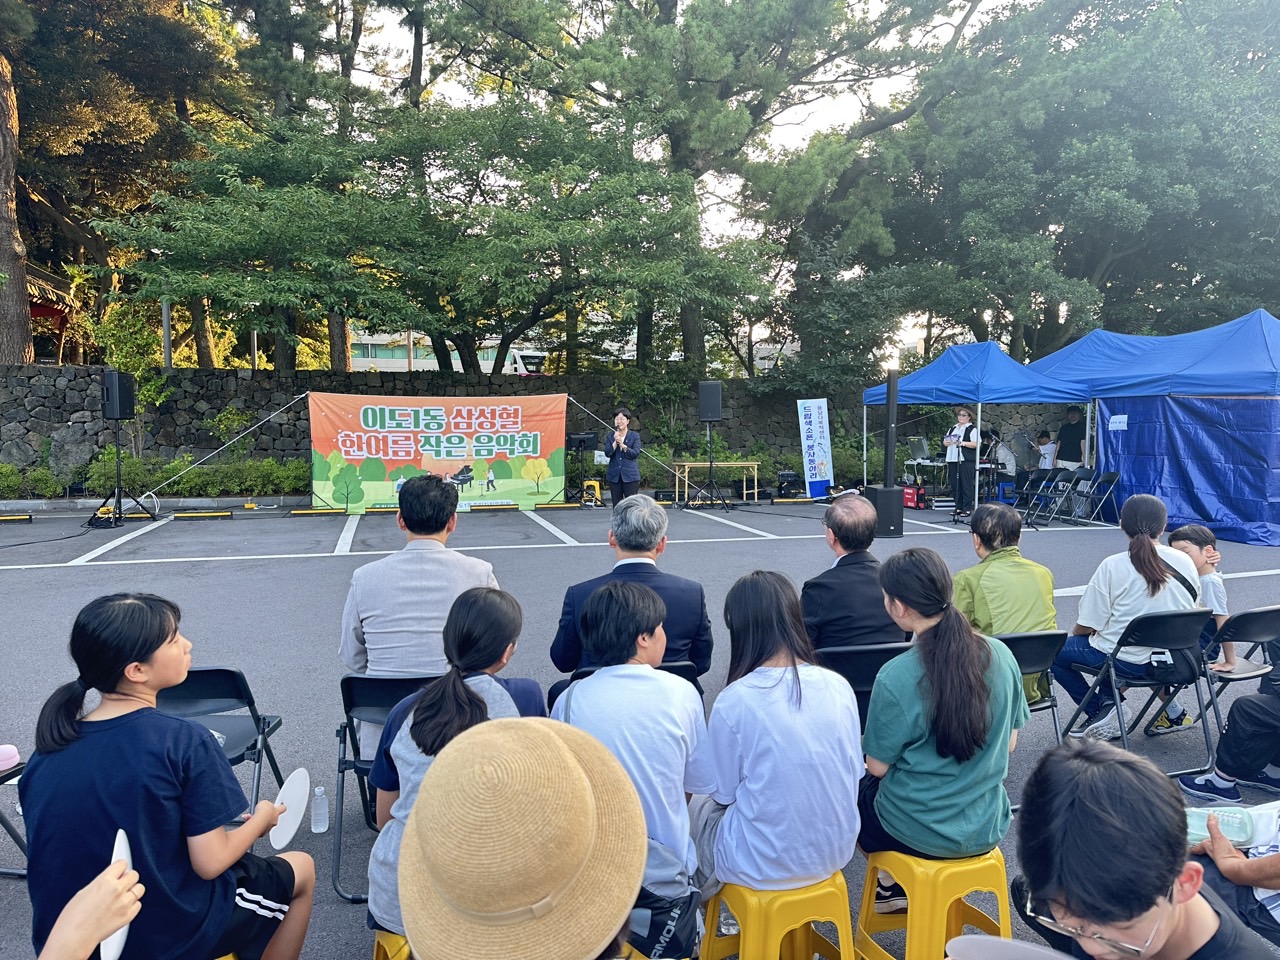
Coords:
pixel 117 395
pixel 709 401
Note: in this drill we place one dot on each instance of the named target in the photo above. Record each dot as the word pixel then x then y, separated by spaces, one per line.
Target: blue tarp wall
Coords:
pixel 1212 460
pixel 1203 412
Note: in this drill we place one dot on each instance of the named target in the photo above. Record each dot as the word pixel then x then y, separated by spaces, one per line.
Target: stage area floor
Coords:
pixel 264 592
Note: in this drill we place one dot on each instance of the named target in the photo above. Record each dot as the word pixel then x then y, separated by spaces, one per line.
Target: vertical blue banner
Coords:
pixel 815 446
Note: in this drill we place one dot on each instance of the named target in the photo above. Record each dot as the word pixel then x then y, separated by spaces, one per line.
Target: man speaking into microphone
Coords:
pixel 623 451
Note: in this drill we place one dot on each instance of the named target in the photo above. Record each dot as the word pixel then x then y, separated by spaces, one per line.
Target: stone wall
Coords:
pixel 54 414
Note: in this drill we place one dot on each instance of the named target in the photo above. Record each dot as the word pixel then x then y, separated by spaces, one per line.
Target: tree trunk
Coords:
pixel 644 337
pixel 15 309
pixel 340 343
pixel 572 347
pixel 286 348
pixel 201 333
pixel 466 345
pixel 691 335
pixel 418 19
pixel 444 356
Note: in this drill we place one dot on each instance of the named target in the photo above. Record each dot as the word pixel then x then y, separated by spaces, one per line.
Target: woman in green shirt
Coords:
pixel 942 720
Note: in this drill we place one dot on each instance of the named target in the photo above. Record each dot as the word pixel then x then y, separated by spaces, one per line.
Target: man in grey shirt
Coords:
pixel 393 621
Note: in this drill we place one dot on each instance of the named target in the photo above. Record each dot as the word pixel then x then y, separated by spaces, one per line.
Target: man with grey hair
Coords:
pixel 638 535
pixel 843 605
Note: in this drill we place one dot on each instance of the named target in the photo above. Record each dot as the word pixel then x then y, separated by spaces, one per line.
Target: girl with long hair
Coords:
pixel 942 721
pixel 786 748
pixel 479 640
pixel 164 780
pixel 1147 578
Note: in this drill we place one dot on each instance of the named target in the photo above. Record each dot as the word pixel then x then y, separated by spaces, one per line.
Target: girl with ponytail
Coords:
pixel 165 782
pixel 1147 578
pixel 479 639
pixel 942 720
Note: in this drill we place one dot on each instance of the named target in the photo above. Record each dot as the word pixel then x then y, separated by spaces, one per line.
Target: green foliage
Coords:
pixel 10 481
pixel 229 423
pixel 501 469
pixel 255 477
pixel 321 467
pixel 41 482
pixel 407 470
pixel 132 345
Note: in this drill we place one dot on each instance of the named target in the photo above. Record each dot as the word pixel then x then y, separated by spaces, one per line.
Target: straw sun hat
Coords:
pixel 527 841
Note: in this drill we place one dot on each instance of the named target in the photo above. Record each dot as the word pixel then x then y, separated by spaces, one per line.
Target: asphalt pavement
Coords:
pixel 264 592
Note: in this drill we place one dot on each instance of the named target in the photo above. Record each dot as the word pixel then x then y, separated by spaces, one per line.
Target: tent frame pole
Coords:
pixel 864 446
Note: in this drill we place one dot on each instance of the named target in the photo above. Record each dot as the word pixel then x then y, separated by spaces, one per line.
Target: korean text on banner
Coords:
pixel 495 451
pixel 815 446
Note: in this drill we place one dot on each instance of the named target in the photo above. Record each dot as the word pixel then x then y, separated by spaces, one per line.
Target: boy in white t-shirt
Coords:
pixel 1048 451
pixel 652 722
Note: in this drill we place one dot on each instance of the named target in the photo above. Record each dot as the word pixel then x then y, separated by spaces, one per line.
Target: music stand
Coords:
pixel 580 444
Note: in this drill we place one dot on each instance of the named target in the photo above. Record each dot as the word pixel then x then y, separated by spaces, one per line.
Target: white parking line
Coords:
pixel 348 534
pixel 99 551
pixel 937 526
pixel 738 526
pixel 551 528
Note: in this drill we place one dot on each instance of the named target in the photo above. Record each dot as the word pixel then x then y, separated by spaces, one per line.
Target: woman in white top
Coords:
pixel 786 748
pixel 961 442
pixel 1125 585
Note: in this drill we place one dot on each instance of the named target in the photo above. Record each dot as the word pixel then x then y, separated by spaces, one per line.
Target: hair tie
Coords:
pixel 84 684
pixel 944 606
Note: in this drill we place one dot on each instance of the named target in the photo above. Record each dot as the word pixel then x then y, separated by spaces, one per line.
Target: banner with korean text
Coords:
pixel 815 446
pixel 496 451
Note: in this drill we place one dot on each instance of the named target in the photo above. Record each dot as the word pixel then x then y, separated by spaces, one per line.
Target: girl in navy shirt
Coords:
pixel 165 782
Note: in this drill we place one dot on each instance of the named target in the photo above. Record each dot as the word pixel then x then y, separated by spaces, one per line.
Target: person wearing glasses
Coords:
pixel 1102 840
pixel 961 443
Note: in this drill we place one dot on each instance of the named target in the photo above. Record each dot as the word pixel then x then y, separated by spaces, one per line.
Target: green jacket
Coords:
pixel 1007 593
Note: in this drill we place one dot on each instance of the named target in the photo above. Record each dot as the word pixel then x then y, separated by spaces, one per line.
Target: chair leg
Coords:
pixel 339 799
pixel 1053 712
pixel 1097 682
pixel 1204 727
pixel 271 759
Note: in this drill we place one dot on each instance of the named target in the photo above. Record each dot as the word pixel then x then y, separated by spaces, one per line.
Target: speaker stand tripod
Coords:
pixel 709 494
pixel 116 517
pixel 580 443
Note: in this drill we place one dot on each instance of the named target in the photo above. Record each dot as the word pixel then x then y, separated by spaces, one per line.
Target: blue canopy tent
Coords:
pixel 973 373
pixel 1192 418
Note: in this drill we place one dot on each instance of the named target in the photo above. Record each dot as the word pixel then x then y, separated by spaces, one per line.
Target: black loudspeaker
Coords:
pixel 888 504
pixel 709 401
pixel 117 395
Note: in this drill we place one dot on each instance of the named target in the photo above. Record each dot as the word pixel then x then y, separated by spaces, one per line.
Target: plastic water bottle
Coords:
pixel 319 811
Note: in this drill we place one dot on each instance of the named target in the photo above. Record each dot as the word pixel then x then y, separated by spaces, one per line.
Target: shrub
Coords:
pixel 135 473
pixel 42 482
pixel 10 481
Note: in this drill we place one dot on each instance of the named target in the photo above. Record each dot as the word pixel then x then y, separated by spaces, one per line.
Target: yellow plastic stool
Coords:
pixel 936 909
pixel 390 946
pixel 779 923
pixel 593 487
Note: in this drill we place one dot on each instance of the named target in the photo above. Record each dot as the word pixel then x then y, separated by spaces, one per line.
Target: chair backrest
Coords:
pixel 1252 626
pixel 371 698
pixel 684 669
pixel 1059 475
pixel 1083 475
pixel 1109 479
pixel 582 673
pixel 1037 477
pixel 1168 630
pixel 1035 652
pixel 859 664
pixel 207 690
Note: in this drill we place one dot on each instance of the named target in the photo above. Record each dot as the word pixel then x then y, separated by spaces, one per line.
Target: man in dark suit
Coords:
pixel 843 605
pixel 638 535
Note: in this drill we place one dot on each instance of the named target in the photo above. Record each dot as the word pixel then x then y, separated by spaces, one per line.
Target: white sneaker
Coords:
pixel 1107 726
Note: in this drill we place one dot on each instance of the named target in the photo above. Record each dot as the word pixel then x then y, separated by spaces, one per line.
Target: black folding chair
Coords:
pixel 209 695
pixel 369 700
pixel 859 663
pixel 1096 497
pixel 1035 653
pixel 1078 482
pixel 1178 632
pixel 9 776
pixel 684 669
pixel 1255 629
pixel 1042 505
